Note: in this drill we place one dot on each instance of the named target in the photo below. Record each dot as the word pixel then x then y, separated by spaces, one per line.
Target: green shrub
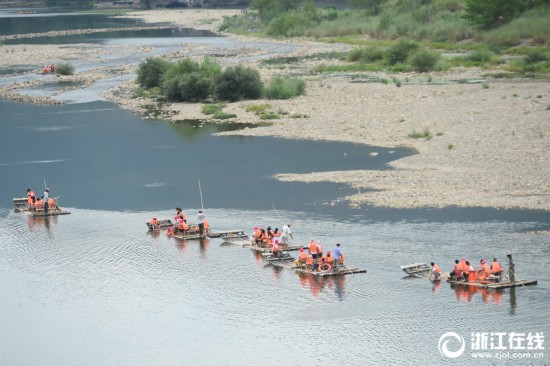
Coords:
pixel 182 67
pixel 534 56
pixel 222 115
pixel 211 108
pixel 424 60
pixel 285 88
pixel 238 83
pixel 369 54
pixel 151 72
pixel 258 108
pixel 400 52
pixel 483 55
pixel 171 90
pixel 210 67
pixel 64 69
pixel 194 87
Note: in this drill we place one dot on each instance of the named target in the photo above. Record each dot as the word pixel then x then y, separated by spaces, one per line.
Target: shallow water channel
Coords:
pixel 95 288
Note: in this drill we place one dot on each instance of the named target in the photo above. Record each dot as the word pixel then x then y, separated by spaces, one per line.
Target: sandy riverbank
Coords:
pixel 490 144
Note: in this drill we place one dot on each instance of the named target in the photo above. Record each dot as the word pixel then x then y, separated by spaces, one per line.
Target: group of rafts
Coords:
pixel 272 244
pixel 493 276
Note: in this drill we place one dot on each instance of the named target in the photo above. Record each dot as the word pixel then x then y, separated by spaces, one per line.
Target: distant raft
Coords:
pixel 332 272
pixel 494 285
pixel 162 224
pixel 235 237
pixel 416 269
pixel 21 205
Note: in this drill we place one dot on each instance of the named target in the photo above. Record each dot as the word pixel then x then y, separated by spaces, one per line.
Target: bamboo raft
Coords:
pixel 163 224
pixel 55 212
pixel 338 272
pixel 495 285
pixel 257 248
pixel 235 237
pixel 416 269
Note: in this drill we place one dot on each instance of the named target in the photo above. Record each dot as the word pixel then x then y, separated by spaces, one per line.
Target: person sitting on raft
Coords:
pixel 456 273
pixel 257 234
pixel 276 250
pixel 169 231
pixel 155 224
pixel 496 268
pixel 329 259
pixel 472 273
pixel 484 270
pixel 302 258
pixel 436 271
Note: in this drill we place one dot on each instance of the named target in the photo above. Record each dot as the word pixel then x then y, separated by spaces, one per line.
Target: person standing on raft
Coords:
pixel 511 268
pixel 46 198
pixel 284 236
pixel 201 218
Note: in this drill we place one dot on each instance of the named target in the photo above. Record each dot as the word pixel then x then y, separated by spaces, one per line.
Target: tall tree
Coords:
pixel 493 13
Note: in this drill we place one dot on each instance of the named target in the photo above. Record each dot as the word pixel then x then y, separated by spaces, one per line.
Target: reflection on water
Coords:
pixel 317 284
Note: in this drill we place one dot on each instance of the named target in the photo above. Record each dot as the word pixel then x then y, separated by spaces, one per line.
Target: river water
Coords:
pixel 95 288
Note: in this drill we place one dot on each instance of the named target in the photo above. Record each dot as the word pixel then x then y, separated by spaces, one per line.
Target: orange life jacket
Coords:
pixel 155 221
pixel 257 234
pixel 205 223
pixel 309 259
pixel 303 256
pixel 329 259
pixel 183 215
pixel 277 234
pixel 496 267
pixel 183 226
pixel 436 268
pixel 472 275
pixel 313 247
pixel 485 269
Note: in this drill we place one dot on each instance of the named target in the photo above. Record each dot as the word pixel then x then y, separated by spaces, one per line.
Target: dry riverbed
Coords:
pixel 489 142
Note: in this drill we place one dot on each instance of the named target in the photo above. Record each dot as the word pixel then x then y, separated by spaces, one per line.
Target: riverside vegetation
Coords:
pixel 416 35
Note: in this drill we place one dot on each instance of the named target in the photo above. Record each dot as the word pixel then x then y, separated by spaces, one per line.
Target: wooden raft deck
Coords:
pixel 264 250
pixel 339 272
pixel 496 285
pixel 50 213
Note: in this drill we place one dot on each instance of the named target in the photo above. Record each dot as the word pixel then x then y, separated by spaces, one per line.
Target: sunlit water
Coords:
pixel 94 287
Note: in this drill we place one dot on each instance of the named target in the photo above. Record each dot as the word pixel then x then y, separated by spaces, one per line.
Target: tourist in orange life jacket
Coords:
pixel 496 268
pixel 276 233
pixel 484 270
pixel 31 196
pixel 436 271
pixel 169 231
pixel 275 250
pixel 263 238
pixel 155 224
pixel 313 248
pixel 329 259
pixel 309 260
pixel 182 226
pixel 456 273
pixel 257 234
pixel 302 257
pixel 319 249
pixel 472 273
pixel 206 226
pixel 464 268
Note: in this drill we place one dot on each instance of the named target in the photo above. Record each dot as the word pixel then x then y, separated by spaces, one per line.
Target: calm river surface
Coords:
pixel 94 288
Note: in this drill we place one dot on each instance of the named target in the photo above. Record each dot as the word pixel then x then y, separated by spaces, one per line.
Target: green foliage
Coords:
pixel 194 87
pixel 222 115
pixel 285 88
pixel 493 13
pixel 211 108
pixel 400 52
pixel 211 68
pixel 182 67
pixel 238 83
pixel 269 9
pixel 258 108
pixel 151 72
pixel 368 54
pixel 536 55
pixel 64 69
pixel 424 60
pixel 370 6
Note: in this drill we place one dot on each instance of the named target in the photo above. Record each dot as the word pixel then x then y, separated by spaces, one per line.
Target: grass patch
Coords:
pixel 64 68
pixel 426 134
pixel 258 108
pixel 285 88
pixel 222 115
pixel 211 108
